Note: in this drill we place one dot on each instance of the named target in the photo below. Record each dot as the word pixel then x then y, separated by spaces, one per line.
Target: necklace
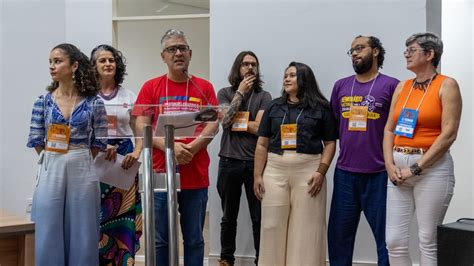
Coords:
pixel 422 85
pixel 110 96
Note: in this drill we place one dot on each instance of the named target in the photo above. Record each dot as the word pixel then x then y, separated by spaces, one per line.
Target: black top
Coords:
pixel 314 126
pixel 240 144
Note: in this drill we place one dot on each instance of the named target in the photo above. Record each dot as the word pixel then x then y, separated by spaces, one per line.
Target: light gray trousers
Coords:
pixel 66 206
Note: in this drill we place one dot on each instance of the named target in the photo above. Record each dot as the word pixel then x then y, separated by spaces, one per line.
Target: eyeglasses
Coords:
pixel 356 49
pixel 410 51
pixel 248 64
pixel 174 49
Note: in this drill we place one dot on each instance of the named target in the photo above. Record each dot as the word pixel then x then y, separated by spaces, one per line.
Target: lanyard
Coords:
pixel 370 90
pixel 187 84
pixel 283 121
pixel 411 89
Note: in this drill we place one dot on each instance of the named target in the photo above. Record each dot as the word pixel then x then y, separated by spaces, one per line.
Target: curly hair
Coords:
pixel 120 67
pixel 375 42
pixel 84 77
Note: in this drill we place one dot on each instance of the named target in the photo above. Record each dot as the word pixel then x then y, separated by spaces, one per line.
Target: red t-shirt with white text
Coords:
pixel 194 175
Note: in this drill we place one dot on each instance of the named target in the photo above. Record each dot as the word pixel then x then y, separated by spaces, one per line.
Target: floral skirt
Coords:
pixel 120 218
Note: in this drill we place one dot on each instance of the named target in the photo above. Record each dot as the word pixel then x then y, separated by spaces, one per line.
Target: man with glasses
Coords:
pixel 361 103
pixel 178 91
pixel 245 100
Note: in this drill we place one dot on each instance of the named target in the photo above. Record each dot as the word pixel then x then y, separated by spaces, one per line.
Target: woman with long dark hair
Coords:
pixel 68 128
pixel 296 144
pixel 120 219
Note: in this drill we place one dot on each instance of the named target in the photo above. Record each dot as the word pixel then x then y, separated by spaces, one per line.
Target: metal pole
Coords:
pixel 172 196
pixel 148 208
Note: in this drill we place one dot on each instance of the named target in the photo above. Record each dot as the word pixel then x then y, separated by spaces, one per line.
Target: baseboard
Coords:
pixel 239 260
pixel 249 261
pixel 141 258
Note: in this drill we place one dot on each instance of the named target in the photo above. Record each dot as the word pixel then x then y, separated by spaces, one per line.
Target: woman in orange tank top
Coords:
pixel 422 125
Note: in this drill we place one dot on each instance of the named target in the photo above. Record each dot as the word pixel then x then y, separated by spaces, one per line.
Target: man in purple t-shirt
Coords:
pixel 361 103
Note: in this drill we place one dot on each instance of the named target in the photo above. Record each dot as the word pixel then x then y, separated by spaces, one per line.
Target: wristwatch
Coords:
pixel 415 169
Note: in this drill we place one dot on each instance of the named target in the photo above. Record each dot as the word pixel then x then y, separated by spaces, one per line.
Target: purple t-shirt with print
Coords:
pixel 361 151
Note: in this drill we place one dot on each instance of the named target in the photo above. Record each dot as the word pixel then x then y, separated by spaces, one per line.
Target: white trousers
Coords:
pixel 427 195
pixel 66 210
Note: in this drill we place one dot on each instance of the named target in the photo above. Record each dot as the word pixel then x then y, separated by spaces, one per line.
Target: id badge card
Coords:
pixel 112 125
pixel 358 118
pixel 58 138
pixel 241 121
pixel 406 123
pixel 288 136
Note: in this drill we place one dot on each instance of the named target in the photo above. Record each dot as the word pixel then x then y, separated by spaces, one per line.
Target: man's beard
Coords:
pixel 365 64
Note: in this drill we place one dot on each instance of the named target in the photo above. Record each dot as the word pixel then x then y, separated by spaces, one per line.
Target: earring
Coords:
pixel 73 78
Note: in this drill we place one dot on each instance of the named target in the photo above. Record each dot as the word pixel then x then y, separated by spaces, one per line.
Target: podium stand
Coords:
pixel 154 124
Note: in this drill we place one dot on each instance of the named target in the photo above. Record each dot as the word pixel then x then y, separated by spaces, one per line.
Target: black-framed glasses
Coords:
pixel 356 49
pixel 248 64
pixel 175 48
pixel 411 50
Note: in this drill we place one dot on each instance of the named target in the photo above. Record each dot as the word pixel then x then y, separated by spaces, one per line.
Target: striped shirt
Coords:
pixel 88 122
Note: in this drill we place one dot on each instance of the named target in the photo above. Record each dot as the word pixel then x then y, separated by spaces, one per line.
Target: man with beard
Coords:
pixel 361 104
pixel 246 101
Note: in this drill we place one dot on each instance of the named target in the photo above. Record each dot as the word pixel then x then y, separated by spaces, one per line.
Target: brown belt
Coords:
pixel 409 150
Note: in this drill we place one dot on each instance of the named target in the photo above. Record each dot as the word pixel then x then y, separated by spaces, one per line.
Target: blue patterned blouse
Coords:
pixel 88 122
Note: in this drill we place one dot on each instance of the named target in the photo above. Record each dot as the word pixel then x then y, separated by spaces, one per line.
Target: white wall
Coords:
pixel 458 62
pixel 29 30
pixel 139 41
pixel 319 33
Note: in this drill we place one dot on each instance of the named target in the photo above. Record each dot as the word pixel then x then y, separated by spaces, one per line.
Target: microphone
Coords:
pixel 208 114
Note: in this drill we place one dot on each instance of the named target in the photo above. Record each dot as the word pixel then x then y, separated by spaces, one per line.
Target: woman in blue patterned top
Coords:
pixel 68 128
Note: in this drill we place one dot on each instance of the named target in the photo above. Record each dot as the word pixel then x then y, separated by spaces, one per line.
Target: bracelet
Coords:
pixel 415 169
pixel 323 169
pixel 239 93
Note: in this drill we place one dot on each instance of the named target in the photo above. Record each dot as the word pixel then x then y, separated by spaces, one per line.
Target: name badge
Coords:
pixel 58 138
pixel 112 125
pixel 288 136
pixel 241 121
pixel 358 118
pixel 406 123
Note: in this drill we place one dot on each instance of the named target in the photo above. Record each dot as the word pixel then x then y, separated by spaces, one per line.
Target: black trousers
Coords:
pixel 232 175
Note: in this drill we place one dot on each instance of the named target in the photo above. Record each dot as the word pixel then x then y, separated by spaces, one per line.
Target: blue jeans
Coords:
pixel 192 207
pixel 353 193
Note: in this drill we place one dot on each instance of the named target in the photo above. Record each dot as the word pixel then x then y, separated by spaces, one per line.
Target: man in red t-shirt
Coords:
pixel 175 92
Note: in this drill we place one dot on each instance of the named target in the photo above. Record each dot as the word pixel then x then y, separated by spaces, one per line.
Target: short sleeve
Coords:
pixel 222 96
pixel 265 127
pixel 143 104
pixel 266 99
pixel 330 128
pixel 37 133
pixel 211 95
pixel 335 101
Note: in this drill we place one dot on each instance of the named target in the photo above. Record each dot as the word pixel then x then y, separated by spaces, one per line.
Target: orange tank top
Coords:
pixel 428 125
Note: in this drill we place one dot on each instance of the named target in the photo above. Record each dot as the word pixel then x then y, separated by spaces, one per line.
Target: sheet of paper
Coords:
pixel 113 174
